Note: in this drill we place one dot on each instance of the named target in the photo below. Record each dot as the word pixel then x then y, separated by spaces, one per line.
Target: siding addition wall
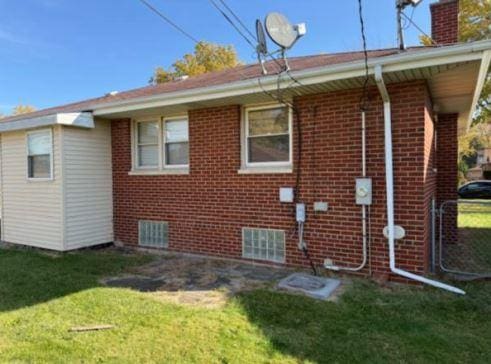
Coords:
pixel 87 185
pixel 32 210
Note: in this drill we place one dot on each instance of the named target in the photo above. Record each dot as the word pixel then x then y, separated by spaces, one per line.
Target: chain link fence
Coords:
pixel 465 237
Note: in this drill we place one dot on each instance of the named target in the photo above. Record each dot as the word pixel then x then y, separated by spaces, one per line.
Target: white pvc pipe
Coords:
pixel 389 180
pixel 363 208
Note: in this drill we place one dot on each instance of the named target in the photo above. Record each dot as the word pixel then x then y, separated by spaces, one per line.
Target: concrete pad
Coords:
pixel 316 287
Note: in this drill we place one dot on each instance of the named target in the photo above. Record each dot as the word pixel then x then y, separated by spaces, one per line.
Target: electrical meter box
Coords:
pixel 363 191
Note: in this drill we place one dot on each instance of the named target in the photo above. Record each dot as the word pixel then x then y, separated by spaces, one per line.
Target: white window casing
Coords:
pixel 282 163
pixel 169 133
pixel 39 155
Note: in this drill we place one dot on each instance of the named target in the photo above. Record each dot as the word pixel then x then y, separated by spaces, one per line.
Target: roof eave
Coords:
pixel 399 62
pixel 77 119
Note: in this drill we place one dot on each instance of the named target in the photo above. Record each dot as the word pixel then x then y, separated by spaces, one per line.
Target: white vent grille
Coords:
pixel 263 244
pixel 154 234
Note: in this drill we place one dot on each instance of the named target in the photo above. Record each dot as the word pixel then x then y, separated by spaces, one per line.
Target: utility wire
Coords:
pixel 169 21
pixel 364 96
pixel 410 20
pixel 233 24
pixel 238 19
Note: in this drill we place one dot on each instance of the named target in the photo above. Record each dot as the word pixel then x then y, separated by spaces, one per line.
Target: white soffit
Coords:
pixel 77 119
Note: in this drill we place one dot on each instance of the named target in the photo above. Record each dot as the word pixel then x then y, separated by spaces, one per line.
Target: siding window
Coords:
pixel 268 136
pixel 176 141
pixel 147 144
pixel 263 244
pixel 39 154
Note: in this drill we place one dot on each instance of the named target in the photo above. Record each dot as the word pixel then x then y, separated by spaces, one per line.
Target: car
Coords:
pixel 476 189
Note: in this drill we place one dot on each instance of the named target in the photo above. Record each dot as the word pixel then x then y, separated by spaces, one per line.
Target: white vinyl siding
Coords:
pixel 88 185
pixel 32 209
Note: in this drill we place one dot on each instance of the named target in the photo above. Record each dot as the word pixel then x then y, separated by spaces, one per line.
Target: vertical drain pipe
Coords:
pixel 389 180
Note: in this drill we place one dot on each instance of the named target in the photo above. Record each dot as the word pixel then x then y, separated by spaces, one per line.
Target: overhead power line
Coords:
pixel 233 24
pixel 238 19
pixel 169 21
pixel 410 20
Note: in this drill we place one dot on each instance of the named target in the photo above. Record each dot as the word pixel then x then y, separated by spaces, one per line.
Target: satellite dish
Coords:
pixel 280 30
pixel 261 38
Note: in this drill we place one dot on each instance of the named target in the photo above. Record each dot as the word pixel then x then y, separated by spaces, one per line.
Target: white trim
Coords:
pixel 62 175
pixel 51 159
pixel 246 165
pixel 77 119
pixel 161 168
pixel 265 170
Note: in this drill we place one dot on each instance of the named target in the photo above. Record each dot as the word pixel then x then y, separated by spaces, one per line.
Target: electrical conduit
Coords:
pixel 389 178
pixel 363 208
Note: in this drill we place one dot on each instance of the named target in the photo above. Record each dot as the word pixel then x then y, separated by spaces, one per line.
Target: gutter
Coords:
pixel 398 62
pixel 389 181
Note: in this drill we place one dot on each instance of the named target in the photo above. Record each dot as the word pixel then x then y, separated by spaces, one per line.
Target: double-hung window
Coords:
pixel 39 154
pixel 147 144
pixel 176 140
pixel 161 144
pixel 268 137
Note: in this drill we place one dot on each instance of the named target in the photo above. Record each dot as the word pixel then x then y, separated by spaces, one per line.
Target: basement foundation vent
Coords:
pixel 263 244
pixel 153 234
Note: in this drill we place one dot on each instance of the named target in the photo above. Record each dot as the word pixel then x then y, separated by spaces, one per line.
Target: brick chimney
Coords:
pixel 445 21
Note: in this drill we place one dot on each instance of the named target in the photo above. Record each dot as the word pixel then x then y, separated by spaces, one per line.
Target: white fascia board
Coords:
pixel 398 62
pixel 77 119
pixel 481 80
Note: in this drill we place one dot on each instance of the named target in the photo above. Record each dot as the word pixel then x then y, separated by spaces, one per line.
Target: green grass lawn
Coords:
pixel 42 296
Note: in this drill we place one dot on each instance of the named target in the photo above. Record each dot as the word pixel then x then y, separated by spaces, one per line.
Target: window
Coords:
pixel 154 234
pixel 263 244
pixel 39 153
pixel 160 145
pixel 268 136
pixel 176 142
pixel 148 144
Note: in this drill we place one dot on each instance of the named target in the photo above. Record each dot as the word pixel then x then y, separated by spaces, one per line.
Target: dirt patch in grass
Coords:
pixel 197 281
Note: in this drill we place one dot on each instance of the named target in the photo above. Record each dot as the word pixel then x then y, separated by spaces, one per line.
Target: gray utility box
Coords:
pixel 363 191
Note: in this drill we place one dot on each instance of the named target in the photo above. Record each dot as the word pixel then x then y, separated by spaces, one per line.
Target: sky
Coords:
pixel 58 51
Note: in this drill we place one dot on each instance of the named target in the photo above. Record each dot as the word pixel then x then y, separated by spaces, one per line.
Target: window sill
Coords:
pixel 159 172
pixel 265 170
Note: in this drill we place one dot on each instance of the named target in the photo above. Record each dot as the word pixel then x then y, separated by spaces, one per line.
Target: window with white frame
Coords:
pixel 176 140
pixel 161 144
pixel 267 136
pixel 39 154
pixel 147 141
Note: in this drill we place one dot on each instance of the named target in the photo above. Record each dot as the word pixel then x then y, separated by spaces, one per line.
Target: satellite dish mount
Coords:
pixel 281 32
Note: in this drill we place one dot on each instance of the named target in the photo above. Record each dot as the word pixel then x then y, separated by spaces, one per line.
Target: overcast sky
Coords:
pixel 57 51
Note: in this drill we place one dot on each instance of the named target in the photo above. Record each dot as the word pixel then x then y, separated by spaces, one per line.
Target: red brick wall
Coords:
pixel 207 209
pixel 447 154
pixel 445 21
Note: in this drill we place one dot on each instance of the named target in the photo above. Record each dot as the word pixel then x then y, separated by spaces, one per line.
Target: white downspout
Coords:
pixel 389 180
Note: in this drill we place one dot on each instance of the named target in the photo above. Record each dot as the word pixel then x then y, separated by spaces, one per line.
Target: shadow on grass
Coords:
pixel 29 277
pixel 374 325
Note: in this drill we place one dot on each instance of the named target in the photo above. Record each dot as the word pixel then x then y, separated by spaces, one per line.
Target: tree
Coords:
pixel 23 109
pixel 207 57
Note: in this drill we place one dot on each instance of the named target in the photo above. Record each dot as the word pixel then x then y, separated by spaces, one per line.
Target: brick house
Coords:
pixel 196 165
